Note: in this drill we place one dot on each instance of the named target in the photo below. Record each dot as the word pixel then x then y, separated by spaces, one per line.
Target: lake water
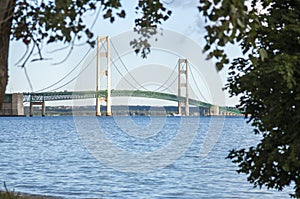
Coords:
pixel 49 156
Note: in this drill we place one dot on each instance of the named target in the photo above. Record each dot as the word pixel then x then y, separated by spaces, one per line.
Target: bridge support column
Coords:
pixel 107 73
pixel 214 110
pixel 30 109
pixel 12 105
pixel 43 109
pixel 183 70
pixel 37 104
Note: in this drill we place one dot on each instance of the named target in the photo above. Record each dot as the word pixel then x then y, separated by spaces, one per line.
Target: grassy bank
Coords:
pixel 6 194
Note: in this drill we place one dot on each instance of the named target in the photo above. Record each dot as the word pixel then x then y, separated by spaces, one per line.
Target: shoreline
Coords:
pixel 18 195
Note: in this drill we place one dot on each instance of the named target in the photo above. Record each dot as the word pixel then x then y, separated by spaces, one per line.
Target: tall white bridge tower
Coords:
pixel 183 71
pixel 103 41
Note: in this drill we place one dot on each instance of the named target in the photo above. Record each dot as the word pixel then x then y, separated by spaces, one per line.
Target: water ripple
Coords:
pixel 45 156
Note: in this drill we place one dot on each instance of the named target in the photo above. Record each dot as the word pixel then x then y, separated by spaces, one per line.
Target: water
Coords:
pixel 46 156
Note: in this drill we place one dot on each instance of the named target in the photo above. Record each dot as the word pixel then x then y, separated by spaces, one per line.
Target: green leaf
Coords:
pixel 121 14
pixel 263 54
pixel 219 66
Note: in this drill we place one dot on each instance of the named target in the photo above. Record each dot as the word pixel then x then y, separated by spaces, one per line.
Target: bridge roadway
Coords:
pixel 71 95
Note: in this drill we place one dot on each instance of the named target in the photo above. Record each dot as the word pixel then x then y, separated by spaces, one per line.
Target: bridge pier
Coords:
pixel 12 105
pixel 214 110
pixel 37 104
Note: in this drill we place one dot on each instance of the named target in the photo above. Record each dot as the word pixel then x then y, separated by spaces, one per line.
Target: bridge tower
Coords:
pixel 183 71
pixel 106 72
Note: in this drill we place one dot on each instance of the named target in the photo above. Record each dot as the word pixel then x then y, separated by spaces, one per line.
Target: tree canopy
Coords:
pixel 35 22
pixel 266 78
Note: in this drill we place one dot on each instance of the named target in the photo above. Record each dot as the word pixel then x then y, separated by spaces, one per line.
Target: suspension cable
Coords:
pixel 163 85
pixel 69 73
pixel 119 57
pixel 197 84
pixel 121 74
pixel 166 88
pixel 75 76
pixel 54 84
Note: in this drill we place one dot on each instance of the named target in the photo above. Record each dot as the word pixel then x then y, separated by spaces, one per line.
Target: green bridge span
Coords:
pixel 73 95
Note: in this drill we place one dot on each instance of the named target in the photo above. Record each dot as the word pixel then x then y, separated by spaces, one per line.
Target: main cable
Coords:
pixel 70 71
pixel 197 84
pixel 119 57
pixel 52 85
pixel 166 88
pixel 121 74
pixel 168 80
pixel 75 76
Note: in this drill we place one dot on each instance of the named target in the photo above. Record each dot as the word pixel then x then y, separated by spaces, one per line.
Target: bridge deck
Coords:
pixel 71 95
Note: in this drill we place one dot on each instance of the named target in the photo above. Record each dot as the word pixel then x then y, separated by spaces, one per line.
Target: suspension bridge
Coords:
pixel 103 51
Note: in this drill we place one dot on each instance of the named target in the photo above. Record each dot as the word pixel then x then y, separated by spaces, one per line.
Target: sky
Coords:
pixel 182 38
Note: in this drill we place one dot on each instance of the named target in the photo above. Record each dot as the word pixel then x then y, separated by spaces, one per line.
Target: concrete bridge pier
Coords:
pixel 37 104
pixel 214 110
pixel 12 105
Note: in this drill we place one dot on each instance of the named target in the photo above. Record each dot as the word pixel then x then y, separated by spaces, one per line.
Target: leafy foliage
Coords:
pixel 52 21
pixel 152 14
pixel 63 21
pixel 267 78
